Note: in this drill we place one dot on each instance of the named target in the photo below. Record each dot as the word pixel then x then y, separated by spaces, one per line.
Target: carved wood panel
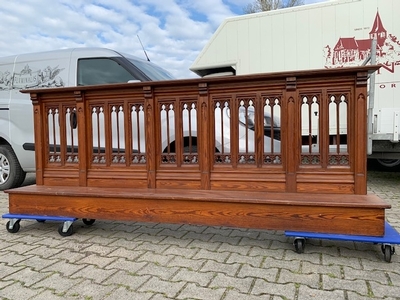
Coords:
pixel 301 126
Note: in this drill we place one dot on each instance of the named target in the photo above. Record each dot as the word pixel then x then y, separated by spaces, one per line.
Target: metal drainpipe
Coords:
pixel 371 95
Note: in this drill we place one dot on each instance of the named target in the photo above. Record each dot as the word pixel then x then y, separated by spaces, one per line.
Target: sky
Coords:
pixel 173 32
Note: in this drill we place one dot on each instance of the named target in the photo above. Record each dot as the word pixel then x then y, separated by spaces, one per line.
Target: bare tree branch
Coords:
pixel 267 5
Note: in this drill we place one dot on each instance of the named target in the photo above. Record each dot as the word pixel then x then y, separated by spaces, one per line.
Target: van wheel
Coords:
pixel 11 173
pixel 388 163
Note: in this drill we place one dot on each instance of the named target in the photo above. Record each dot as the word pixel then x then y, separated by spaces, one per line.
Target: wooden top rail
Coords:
pixel 294 132
pixel 294 199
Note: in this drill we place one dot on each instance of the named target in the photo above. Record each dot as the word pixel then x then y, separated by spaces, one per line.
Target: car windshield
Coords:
pixel 153 71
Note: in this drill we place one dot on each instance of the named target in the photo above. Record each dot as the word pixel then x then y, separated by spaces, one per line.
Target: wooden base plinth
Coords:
pixel 324 213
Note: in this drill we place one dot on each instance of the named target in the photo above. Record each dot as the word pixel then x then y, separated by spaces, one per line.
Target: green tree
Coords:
pixel 266 5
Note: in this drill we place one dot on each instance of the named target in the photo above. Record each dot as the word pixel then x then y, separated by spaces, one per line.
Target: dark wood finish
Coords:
pixel 184 151
pixel 360 214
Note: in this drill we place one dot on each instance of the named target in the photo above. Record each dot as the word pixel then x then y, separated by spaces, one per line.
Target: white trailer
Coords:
pixel 332 34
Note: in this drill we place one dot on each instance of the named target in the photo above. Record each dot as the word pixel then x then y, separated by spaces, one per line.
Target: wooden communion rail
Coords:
pixel 284 151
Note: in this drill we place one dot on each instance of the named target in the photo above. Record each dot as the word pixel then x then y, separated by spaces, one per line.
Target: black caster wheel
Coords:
pixel 88 221
pixel 69 232
pixel 388 251
pixel 15 228
pixel 299 245
pixel 41 221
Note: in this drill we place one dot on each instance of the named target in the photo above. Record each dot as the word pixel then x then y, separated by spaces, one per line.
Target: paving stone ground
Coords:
pixel 129 260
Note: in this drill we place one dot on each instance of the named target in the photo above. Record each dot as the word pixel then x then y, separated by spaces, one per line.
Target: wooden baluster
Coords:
pixel 83 140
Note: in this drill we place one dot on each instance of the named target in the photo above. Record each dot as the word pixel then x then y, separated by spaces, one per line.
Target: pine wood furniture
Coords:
pixel 194 151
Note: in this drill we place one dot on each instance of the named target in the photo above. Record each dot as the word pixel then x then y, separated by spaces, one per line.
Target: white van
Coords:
pixel 60 68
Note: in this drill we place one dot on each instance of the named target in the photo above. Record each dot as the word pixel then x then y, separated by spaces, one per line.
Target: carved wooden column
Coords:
pixel 84 156
pixel 360 134
pixel 205 146
pixel 150 136
pixel 38 116
pixel 291 132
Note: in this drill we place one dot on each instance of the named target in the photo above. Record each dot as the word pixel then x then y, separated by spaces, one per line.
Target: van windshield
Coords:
pixel 153 71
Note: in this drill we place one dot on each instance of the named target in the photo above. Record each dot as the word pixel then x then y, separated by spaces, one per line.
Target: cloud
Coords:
pixel 173 32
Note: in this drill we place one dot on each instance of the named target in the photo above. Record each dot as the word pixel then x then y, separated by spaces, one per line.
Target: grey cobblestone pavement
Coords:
pixel 128 260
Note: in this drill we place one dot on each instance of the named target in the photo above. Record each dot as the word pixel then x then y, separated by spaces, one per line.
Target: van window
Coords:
pixel 101 71
pixel 153 71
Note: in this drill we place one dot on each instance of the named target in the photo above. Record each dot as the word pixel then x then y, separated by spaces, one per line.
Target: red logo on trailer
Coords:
pixel 352 52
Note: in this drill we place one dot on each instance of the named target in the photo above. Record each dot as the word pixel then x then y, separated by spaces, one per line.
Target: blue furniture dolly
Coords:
pixel 386 241
pixel 65 229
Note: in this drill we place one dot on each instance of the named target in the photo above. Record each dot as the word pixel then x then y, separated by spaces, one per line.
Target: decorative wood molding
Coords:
pixel 291 83
pixel 203 89
pixel 362 79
